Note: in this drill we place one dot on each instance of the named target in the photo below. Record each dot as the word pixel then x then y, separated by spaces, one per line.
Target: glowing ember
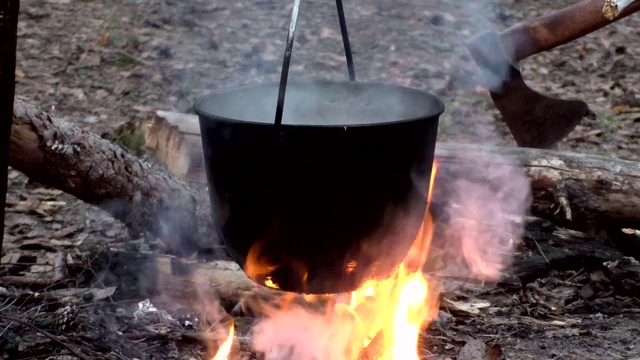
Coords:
pixel 351 266
pixel 269 282
pixel 225 348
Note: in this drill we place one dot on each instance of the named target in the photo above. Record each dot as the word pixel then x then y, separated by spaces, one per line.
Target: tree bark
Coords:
pixel 94 170
pixel 8 40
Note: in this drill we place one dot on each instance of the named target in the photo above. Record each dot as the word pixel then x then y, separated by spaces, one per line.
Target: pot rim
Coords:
pixel 436 111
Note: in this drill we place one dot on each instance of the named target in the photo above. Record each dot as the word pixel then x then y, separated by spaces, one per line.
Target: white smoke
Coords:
pixel 300 334
pixel 488 192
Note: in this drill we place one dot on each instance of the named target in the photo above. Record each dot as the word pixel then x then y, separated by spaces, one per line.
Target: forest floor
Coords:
pixel 102 64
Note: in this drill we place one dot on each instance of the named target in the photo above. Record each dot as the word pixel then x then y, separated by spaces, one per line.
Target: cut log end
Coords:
pixel 174 140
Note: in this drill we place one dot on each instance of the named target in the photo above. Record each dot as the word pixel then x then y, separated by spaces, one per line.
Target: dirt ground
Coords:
pixel 100 64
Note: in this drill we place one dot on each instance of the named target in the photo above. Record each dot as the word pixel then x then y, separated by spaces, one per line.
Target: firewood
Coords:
pixel 83 164
pixel 590 193
pixel 174 280
pixel 174 139
pixel 624 273
pixel 551 248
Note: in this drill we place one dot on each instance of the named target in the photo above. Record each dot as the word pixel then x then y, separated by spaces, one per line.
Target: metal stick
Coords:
pixel 345 40
pixel 285 64
pixel 8 41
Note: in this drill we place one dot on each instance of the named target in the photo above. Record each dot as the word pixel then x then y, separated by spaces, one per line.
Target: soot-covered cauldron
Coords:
pixel 332 192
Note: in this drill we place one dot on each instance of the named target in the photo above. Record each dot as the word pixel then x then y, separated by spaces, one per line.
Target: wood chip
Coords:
pixel 471 307
pixel 82 294
pixel 494 352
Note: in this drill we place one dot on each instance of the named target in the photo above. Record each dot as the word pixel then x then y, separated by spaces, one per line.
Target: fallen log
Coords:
pixel 80 163
pixel 595 194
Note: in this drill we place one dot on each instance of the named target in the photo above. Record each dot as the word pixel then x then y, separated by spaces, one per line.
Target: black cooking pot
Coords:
pixel 334 195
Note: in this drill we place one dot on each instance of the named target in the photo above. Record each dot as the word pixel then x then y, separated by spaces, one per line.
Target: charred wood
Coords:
pixel 624 273
pixel 549 248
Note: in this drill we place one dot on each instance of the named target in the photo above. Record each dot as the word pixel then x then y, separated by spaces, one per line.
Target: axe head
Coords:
pixel 535 120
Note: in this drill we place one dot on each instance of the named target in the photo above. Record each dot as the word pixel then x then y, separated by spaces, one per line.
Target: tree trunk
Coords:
pixel 8 41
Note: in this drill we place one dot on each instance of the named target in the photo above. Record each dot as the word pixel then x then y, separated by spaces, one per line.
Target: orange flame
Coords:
pixel 255 266
pixel 225 348
pixel 398 307
pixel 382 316
pixel 269 282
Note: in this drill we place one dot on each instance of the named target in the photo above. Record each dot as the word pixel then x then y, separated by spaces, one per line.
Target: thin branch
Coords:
pixel 46 334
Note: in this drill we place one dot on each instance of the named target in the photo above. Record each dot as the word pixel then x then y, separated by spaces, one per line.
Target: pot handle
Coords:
pixel 345 40
pixel 284 75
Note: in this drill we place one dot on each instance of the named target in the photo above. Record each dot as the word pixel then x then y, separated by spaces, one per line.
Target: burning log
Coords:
pixel 141 274
pixel 171 277
pixel 175 280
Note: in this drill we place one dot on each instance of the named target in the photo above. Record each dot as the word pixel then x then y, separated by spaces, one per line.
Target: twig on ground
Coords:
pixel 47 335
pixel 541 252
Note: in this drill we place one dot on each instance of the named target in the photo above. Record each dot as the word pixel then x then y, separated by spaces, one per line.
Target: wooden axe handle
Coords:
pixel 565 25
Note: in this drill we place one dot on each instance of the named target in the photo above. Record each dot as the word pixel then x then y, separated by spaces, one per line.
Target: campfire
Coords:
pixel 330 203
pixel 382 319
pixel 335 237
